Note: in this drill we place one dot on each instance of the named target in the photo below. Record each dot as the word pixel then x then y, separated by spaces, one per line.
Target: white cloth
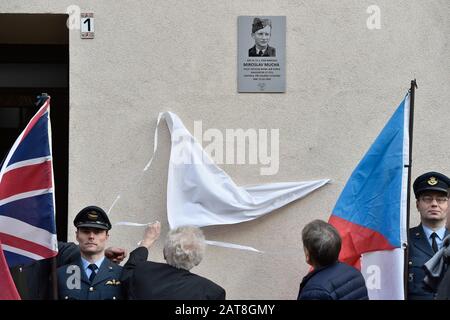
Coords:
pixel 200 193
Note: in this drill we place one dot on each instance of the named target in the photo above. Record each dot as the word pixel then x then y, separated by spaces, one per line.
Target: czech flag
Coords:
pixel 370 213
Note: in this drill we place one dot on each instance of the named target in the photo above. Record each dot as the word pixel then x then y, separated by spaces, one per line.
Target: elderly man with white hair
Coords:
pixel 183 249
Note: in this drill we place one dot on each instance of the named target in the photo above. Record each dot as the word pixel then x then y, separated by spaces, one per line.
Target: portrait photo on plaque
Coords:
pixel 261 53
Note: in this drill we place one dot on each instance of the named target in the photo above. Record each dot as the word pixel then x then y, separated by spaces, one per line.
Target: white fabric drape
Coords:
pixel 200 193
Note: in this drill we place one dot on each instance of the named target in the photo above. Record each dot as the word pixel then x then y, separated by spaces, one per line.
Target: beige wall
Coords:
pixel 343 83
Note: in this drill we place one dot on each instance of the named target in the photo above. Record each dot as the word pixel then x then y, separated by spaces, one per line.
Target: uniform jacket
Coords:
pixel 148 280
pixel 338 281
pixel 105 286
pixel 270 52
pixel 420 252
pixel 33 281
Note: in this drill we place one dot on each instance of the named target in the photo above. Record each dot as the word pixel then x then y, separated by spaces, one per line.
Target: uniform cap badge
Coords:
pixel 92 215
pixel 432 181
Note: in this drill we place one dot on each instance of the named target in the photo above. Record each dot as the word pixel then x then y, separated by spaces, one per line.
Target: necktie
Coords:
pixel 261 53
pixel 433 242
pixel 93 267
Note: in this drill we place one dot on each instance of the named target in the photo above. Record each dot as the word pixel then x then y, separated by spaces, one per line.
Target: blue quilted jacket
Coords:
pixel 338 281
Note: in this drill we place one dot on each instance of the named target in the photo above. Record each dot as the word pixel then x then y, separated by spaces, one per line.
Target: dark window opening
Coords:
pixel 34 59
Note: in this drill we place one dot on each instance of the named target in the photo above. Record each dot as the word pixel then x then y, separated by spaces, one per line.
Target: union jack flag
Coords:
pixel 8 290
pixel 27 202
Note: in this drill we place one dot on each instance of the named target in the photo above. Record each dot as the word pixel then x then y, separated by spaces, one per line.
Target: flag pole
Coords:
pixel 412 92
pixel 54 274
pixel 54 278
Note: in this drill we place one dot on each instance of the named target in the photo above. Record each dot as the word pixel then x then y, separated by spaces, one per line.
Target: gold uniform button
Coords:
pixel 114 298
pixel 66 297
pixel 91 289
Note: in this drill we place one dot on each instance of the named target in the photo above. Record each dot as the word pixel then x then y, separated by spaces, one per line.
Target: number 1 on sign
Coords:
pixel 88 21
pixel 87 24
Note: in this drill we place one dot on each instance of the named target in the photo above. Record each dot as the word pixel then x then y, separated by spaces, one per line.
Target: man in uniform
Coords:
pixel 261 32
pixel 431 191
pixel 93 276
pixel 33 281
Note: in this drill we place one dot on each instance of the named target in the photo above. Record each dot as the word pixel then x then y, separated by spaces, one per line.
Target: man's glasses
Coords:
pixel 429 199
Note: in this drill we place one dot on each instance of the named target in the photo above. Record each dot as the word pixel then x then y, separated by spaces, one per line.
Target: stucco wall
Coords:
pixel 343 83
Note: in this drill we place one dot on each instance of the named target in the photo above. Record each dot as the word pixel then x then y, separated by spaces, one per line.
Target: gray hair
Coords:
pixel 322 241
pixel 184 247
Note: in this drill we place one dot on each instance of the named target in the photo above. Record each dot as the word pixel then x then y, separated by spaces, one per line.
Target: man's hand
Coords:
pixel 151 233
pixel 115 254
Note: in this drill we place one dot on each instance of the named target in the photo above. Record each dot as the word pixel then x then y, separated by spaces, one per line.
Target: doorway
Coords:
pixel 34 59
